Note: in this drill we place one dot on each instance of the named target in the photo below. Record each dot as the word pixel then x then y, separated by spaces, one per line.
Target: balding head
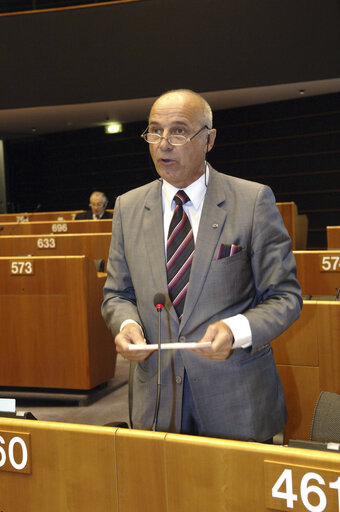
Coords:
pixel 200 105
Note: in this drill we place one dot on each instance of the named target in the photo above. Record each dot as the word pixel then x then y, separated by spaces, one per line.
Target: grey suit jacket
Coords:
pixel 241 397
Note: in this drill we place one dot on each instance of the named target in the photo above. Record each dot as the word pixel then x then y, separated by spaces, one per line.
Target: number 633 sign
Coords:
pixel 300 488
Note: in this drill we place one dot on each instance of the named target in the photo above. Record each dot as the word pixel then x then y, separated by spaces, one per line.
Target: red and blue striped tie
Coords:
pixel 180 252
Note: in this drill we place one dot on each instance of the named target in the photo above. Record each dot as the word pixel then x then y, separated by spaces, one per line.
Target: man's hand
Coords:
pixel 131 333
pixel 221 338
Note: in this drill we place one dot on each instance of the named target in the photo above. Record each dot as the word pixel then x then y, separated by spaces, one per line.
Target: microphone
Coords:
pixel 159 303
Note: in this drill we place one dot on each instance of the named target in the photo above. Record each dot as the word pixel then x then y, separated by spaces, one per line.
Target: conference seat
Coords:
pixel 326 418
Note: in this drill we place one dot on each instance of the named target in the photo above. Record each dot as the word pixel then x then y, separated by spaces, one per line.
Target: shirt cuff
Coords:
pixel 240 327
pixel 129 321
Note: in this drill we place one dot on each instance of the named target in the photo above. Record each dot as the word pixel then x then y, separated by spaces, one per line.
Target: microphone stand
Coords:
pixel 159 304
pixel 158 396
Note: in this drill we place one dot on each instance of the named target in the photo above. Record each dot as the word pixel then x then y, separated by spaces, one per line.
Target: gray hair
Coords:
pixel 98 192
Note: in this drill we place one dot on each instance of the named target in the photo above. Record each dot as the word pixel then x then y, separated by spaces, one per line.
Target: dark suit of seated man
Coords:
pixel 98 203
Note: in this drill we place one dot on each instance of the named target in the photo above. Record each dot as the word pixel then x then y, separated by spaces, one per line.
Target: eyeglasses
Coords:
pixel 173 140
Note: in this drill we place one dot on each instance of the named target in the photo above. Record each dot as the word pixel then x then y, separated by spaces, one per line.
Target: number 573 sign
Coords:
pixel 300 488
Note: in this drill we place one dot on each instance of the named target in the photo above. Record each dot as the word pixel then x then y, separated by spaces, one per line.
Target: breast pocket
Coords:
pixel 231 278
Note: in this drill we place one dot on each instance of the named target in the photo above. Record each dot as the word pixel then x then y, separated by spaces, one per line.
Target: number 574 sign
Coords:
pixel 300 488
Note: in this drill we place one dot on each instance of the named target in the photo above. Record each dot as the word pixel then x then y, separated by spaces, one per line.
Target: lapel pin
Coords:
pixel 215 225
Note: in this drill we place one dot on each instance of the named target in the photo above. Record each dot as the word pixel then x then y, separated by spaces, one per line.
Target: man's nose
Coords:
pixel 164 143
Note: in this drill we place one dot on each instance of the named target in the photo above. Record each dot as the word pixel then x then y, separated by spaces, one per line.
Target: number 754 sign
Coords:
pixel 301 489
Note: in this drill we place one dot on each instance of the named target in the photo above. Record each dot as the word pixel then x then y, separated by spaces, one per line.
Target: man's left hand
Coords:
pixel 221 338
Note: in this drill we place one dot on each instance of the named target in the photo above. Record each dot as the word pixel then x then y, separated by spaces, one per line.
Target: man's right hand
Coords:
pixel 131 333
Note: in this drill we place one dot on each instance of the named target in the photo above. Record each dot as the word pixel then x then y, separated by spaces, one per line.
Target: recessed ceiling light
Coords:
pixel 113 128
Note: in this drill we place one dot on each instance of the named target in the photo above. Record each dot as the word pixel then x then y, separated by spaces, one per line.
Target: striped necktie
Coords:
pixel 180 252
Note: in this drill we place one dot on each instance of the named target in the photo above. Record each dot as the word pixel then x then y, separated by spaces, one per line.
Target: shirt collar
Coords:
pixel 196 191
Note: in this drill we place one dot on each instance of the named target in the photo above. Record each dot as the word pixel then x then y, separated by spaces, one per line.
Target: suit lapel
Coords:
pixel 212 221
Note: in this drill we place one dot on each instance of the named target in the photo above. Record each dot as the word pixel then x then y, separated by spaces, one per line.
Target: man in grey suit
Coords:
pixel 242 291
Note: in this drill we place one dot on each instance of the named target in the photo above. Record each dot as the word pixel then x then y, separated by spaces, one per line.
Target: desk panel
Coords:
pixel 73 469
pixel 333 237
pixel 318 272
pixel 85 468
pixel 56 227
pixel 52 332
pixel 93 245
pixel 308 360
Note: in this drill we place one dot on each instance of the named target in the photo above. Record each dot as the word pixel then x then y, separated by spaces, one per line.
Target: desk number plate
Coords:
pixel 22 268
pixel 330 263
pixel 300 488
pixel 15 452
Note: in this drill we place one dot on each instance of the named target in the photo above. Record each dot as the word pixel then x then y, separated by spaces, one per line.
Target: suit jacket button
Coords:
pixel 178 379
pixel 182 339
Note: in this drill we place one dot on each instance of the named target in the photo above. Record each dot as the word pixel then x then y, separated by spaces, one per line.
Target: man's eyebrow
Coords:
pixel 174 123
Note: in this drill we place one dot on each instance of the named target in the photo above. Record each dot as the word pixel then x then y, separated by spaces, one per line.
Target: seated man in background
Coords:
pixel 98 203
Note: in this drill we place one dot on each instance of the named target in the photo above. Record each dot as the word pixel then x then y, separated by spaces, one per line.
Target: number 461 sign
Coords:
pixel 300 489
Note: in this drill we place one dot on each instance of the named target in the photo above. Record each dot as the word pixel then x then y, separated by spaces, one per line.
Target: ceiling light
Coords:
pixel 113 128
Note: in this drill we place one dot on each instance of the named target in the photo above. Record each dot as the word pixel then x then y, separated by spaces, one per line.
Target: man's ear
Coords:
pixel 211 139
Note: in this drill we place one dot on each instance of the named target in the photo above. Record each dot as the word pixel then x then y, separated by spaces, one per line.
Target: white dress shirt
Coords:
pixel 196 191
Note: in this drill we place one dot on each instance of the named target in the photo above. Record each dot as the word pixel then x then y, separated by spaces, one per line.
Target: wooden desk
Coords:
pixel 297 225
pixel 85 468
pixel 93 245
pixel 308 360
pixel 38 216
pixel 333 237
pixel 52 333
pixel 72 469
pixel 52 227
pixel 318 272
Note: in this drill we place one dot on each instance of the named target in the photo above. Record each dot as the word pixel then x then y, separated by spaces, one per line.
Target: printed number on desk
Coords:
pixel 301 489
pixel 15 452
pixel 22 268
pixel 59 228
pixel 46 243
pixel 330 264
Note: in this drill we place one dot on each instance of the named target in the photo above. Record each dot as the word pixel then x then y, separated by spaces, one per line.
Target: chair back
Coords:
pixel 326 418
